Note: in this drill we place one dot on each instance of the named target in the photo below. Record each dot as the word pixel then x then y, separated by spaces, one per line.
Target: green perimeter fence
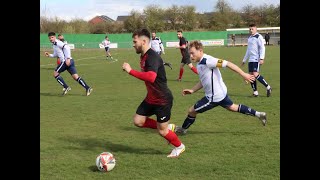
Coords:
pixel 125 40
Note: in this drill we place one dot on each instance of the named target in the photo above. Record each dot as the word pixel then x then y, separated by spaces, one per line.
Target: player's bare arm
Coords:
pixel 193 90
pixel 235 68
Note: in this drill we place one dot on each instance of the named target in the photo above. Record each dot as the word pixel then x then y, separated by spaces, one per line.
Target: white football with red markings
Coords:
pixel 105 162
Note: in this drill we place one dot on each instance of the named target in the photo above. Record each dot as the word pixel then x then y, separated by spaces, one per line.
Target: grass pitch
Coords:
pixel 221 144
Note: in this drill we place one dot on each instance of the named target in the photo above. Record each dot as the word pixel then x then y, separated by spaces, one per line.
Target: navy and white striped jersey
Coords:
pixel 60 50
pixel 211 79
pixel 156 44
pixel 255 49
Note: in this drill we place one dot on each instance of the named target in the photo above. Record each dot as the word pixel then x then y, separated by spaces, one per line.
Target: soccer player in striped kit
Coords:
pixel 106 44
pixel 215 89
pixel 157 46
pixel 159 99
pixel 62 51
pixel 256 54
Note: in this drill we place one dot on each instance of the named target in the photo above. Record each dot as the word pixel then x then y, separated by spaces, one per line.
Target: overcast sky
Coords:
pixel 87 9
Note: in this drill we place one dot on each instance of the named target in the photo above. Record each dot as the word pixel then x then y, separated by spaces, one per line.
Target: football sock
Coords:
pixel 173 139
pixel 254 85
pixel 82 83
pixel 188 122
pixel 61 81
pixel 246 110
pixel 150 123
pixel 194 70
pixel 181 73
pixel 261 79
pixel 257 114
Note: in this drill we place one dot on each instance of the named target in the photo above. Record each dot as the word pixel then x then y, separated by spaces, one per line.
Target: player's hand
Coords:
pixel 163 52
pixel 242 63
pixel 187 91
pixel 46 53
pixel 261 61
pixel 126 67
pixel 249 78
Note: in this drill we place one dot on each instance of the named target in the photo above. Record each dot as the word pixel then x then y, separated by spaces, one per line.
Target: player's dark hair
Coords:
pixel 197 44
pixel 179 31
pixel 141 32
pixel 51 34
pixel 252 25
pixel 59 34
pixel 106 37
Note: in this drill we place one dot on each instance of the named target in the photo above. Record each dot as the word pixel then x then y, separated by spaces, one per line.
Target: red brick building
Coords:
pixel 100 19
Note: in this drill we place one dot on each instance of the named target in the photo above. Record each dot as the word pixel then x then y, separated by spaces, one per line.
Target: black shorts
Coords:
pixel 163 112
pixel 186 60
pixel 253 67
pixel 63 66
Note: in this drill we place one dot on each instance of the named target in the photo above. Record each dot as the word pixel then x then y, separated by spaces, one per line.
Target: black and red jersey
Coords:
pixel 184 52
pixel 158 91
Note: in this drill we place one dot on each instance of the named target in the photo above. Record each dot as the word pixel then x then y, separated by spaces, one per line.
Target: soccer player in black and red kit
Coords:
pixel 183 46
pixel 159 99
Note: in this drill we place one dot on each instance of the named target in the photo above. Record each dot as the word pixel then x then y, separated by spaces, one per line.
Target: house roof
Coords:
pixel 122 18
pixel 106 18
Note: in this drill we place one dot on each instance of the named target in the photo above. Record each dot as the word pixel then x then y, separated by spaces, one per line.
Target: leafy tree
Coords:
pixel 154 18
pixel 189 16
pixel 135 21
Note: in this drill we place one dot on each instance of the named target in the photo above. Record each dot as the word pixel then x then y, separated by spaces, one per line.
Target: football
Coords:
pixel 105 162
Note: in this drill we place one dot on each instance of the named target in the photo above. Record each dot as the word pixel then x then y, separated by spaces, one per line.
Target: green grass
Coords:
pixel 219 145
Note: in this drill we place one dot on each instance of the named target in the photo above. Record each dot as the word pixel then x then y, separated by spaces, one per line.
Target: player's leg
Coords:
pixel 260 78
pixel 56 74
pixel 201 106
pixel 141 118
pixel 109 53
pixel 163 114
pixel 229 105
pixel 73 72
pixel 181 70
pixel 106 49
pixel 252 67
pixel 172 138
pixel 167 64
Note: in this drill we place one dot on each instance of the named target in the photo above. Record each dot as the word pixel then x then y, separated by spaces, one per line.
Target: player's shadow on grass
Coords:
pixel 175 80
pixel 48 68
pixel 236 133
pixel 240 95
pixel 59 94
pixel 190 132
pixel 93 169
pixel 105 145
